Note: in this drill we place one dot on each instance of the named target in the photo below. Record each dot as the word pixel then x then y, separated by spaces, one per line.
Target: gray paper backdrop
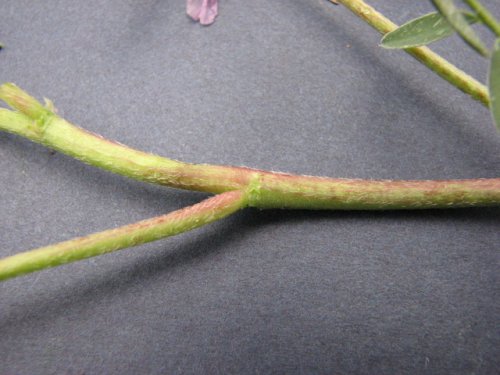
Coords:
pixel 291 85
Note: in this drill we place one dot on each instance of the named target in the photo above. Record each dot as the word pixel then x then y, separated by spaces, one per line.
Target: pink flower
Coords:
pixel 204 11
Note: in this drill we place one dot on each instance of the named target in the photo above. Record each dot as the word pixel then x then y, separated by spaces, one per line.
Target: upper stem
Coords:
pixel 432 60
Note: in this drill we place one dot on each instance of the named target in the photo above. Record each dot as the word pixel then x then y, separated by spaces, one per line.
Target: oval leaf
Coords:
pixel 421 31
pixel 494 83
pixel 456 19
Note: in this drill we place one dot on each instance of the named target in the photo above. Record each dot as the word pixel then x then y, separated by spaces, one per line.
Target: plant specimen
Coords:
pixel 236 188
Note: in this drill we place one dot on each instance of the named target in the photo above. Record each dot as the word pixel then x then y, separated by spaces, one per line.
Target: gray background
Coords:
pixel 297 86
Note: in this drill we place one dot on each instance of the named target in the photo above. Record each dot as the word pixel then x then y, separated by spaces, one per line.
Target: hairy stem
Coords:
pixel 432 60
pixel 307 192
pixel 238 187
pixel 42 125
pixel 180 221
pixel 264 189
pixel 484 15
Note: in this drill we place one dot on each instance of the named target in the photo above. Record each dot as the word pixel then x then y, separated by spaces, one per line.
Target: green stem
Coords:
pixel 432 60
pixel 265 189
pixel 485 16
pixel 180 221
pixel 307 192
pixel 238 187
pixel 40 124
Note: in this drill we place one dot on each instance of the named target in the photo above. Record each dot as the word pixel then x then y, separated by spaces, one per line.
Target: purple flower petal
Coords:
pixel 204 11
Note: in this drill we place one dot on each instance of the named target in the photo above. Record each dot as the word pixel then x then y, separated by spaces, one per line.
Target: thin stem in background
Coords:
pixel 485 16
pixel 432 60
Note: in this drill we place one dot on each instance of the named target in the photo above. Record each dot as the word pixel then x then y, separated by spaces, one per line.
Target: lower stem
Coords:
pixel 180 221
pixel 307 192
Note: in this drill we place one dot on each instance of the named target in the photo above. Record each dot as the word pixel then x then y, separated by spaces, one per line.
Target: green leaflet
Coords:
pixel 494 83
pixel 456 19
pixel 421 31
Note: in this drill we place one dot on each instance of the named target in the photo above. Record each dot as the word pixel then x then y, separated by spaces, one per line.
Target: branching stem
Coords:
pixel 237 187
